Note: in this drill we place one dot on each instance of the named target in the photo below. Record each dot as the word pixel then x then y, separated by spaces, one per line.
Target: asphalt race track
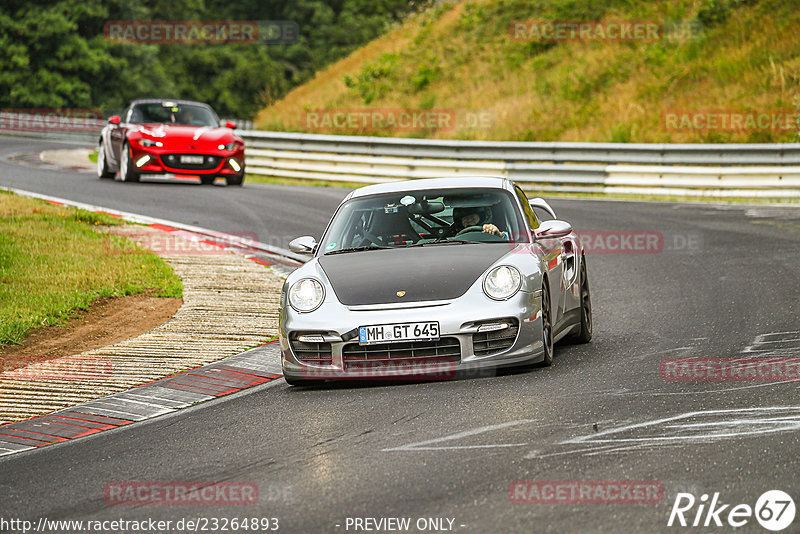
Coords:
pixel 722 283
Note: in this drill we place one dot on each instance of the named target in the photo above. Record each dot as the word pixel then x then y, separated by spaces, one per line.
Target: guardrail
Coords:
pixel 81 126
pixel 680 169
pixel 721 170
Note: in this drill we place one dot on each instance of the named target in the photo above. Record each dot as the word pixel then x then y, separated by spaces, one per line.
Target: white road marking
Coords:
pixel 421 445
pixel 758 424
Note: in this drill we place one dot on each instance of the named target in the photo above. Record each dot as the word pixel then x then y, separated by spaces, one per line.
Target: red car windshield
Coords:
pixel 183 114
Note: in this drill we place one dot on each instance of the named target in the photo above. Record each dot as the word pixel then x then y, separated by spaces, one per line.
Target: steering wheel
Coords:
pixel 476 228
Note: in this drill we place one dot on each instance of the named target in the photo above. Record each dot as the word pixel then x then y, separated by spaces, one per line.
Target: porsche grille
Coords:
pixel 444 350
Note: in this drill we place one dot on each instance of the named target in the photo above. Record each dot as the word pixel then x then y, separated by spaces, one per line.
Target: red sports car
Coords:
pixel 170 136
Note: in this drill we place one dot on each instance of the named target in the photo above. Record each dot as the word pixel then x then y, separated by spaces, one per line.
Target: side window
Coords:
pixel 533 222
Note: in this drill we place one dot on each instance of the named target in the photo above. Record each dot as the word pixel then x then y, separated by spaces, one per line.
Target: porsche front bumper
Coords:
pixel 461 347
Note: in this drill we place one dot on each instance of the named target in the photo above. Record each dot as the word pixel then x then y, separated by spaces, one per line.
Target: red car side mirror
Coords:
pixel 114 120
pixel 229 124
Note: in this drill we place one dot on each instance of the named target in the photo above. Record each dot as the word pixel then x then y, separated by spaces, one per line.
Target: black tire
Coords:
pixel 237 179
pixel 584 335
pixel 102 165
pixel 547 326
pixel 207 179
pixel 126 172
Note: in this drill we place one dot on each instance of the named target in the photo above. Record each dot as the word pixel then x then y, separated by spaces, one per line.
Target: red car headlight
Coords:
pixel 233 145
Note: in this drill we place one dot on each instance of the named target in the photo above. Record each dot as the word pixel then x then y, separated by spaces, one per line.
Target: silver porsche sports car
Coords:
pixel 428 278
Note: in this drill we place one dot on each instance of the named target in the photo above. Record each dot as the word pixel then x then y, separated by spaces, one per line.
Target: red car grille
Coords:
pixel 174 161
pixel 444 350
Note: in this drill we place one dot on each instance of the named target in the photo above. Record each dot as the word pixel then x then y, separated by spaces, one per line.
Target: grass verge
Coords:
pixel 54 262
pixel 263 179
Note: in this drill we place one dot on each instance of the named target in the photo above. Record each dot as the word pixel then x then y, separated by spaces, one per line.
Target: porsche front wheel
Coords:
pixel 547 327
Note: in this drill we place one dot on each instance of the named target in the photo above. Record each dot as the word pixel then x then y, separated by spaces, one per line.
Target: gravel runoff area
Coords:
pixel 230 304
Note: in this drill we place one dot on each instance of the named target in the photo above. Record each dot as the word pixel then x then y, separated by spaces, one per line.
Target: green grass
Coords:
pixel 262 179
pixel 714 55
pixel 93 156
pixel 53 262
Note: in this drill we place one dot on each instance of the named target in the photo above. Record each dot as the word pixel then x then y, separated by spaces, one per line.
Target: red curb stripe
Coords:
pixel 162 227
pixel 104 427
pixel 117 215
pixel 25 439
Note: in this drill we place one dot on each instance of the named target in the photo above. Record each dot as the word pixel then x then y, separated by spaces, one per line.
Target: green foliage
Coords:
pixel 714 12
pixel 54 55
pixel 375 79
pixel 426 73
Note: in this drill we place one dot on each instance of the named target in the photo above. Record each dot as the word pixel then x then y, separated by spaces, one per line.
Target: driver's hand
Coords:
pixel 492 229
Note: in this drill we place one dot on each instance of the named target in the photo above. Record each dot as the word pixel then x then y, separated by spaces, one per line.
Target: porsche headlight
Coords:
pixel 306 295
pixel 502 282
pixel 150 142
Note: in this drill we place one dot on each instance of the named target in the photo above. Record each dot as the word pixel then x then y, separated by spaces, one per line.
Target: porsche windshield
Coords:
pixel 172 113
pixel 418 218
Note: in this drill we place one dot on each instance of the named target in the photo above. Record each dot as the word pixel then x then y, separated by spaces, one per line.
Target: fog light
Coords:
pixel 311 338
pixel 235 165
pixel 492 327
pixel 141 161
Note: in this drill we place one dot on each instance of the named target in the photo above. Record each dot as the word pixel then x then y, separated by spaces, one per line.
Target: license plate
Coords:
pixel 192 160
pixel 394 333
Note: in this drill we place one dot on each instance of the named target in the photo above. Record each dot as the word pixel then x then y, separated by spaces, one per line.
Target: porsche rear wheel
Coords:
pixel 547 327
pixel 102 166
pixel 126 172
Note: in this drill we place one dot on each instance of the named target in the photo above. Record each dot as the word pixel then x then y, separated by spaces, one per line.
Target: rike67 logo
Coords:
pixel 774 510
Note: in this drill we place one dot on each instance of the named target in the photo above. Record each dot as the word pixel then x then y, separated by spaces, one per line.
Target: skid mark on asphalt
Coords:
pixel 775 344
pixel 425 445
pixel 688 428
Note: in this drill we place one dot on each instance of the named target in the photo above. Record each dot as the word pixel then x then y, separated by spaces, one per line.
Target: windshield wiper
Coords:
pixel 446 242
pixel 355 249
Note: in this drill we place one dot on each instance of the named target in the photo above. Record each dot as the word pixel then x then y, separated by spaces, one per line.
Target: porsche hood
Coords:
pixel 437 272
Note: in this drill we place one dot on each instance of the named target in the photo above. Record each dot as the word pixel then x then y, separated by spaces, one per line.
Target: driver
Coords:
pixel 473 216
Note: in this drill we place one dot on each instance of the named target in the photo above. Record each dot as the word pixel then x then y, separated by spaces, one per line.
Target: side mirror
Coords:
pixel 114 119
pixel 303 245
pixel 542 204
pixel 554 229
pixel 231 125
